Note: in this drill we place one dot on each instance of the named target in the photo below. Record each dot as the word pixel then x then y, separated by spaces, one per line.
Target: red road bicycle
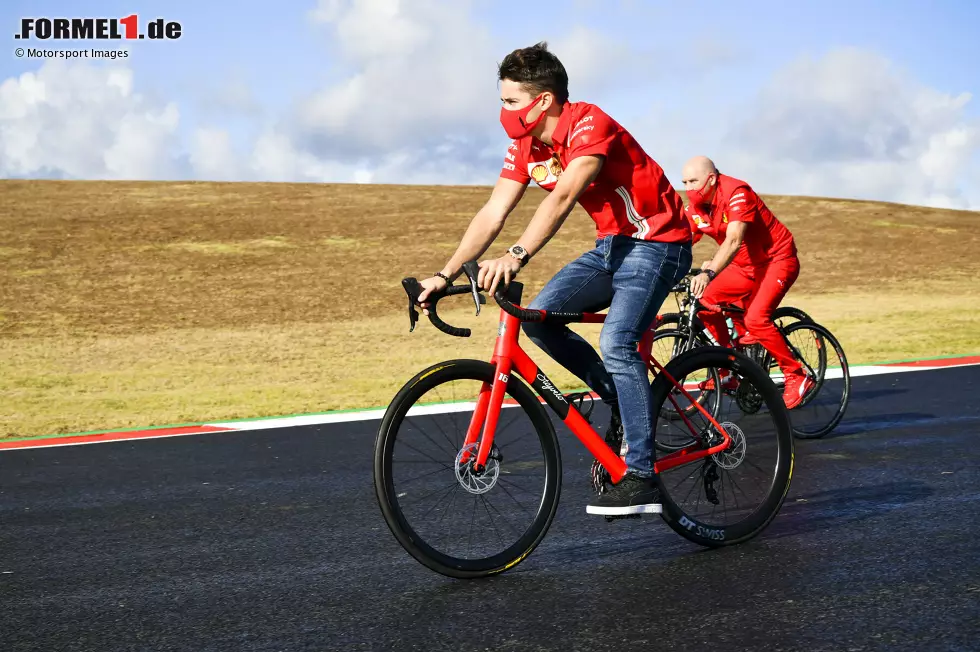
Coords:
pixel 468 480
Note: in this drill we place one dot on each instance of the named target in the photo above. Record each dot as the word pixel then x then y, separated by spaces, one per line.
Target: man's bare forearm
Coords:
pixel 482 231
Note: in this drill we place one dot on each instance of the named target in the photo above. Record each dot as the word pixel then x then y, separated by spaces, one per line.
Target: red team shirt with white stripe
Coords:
pixel 766 239
pixel 631 196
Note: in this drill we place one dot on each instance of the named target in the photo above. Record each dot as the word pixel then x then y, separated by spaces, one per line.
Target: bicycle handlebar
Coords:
pixel 685 285
pixel 472 270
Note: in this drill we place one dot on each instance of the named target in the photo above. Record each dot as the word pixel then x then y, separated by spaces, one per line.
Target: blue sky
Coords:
pixel 697 64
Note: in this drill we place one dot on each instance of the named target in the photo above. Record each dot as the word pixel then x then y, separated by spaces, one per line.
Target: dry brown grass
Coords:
pixel 137 304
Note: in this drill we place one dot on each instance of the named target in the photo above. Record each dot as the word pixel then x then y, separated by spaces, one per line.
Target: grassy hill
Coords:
pixel 136 304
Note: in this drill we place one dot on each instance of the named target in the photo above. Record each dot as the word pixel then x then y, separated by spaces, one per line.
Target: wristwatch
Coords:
pixel 710 273
pixel 520 253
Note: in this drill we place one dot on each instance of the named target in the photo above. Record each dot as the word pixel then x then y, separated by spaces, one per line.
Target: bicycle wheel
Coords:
pixel 667 345
pixel 784 315
pixel 505 510
pixel 781 316
pixel 823 360
pixel 732 495
pixel 672 320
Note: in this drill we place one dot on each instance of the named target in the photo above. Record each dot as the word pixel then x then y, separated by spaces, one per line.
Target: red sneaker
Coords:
pixel 797 387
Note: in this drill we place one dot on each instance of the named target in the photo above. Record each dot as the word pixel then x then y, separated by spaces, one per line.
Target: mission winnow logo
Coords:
pixel 97 28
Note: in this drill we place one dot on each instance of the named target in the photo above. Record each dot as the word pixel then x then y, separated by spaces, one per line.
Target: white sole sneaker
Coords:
pixel 624 510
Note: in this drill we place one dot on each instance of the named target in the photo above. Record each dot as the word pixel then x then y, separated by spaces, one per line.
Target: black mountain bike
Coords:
pixel 812 344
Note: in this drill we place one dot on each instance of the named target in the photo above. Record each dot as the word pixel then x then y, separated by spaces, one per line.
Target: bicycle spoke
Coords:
pixel 451 452
pixel 490 516
pixel 424 475
pixel 431 459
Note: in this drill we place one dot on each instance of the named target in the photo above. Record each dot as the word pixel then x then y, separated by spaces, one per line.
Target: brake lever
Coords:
pixel 472 270
pixel 413 288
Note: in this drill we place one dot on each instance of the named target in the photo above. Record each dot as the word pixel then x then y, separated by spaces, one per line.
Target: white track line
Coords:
pixel 378 413
pixel 368 415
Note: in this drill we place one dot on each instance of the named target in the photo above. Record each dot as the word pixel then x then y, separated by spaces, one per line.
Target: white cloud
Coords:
pixel 849 124
pixel 601 64
pixel 81 121
pixel 229 96
pixel 273 157
pixel 213 155
pixel 419 70
pixel 372 30
pixel 853 125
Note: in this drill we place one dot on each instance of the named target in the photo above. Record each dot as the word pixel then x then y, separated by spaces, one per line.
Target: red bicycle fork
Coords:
pixel 508 357
pixel 491 400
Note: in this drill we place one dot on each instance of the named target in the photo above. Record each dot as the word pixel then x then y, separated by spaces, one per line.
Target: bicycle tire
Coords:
pixel 462 369
pixel 672 319
pixel 827 338
pixel 738 363
pixel 700 339
pixel 789 311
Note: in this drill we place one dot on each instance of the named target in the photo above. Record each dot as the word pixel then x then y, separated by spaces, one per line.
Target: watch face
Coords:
pixel 518 250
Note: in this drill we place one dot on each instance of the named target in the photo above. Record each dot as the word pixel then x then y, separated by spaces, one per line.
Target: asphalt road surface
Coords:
pixel 273 540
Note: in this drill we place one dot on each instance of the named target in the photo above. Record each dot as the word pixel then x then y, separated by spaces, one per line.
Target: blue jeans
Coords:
pixel 632 278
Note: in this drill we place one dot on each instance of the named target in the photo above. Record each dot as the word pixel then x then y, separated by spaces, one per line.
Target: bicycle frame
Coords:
pixel 735 313
pixel 508 357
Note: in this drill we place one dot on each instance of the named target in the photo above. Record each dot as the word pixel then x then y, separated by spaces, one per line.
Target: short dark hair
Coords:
pixel 537 70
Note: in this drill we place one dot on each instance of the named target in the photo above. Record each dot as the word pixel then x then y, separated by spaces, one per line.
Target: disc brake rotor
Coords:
pixel 477 483
pixel 734 455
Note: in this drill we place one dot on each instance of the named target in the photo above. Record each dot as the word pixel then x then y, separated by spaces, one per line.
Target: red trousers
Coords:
pixel 758 290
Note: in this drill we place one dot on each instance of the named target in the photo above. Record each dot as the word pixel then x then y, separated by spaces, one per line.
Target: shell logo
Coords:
pixel 539 173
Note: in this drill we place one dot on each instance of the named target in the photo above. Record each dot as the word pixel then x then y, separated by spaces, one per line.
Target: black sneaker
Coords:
pixel 633 495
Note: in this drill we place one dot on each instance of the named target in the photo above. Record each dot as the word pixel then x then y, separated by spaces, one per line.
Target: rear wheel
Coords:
pixel 785 315
pixel 824 362
pixel 452 518
pixel 732 495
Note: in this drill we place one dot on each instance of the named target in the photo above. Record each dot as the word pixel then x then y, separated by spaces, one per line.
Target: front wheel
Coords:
pixel 732 495
pixel 455 519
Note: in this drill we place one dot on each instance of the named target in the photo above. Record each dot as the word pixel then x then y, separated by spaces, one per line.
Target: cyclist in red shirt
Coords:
pixel 754 267
pixel 579 154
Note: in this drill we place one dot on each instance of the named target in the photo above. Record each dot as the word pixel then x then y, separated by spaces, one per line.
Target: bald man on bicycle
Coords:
pixel 755 266
pixel 580 155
